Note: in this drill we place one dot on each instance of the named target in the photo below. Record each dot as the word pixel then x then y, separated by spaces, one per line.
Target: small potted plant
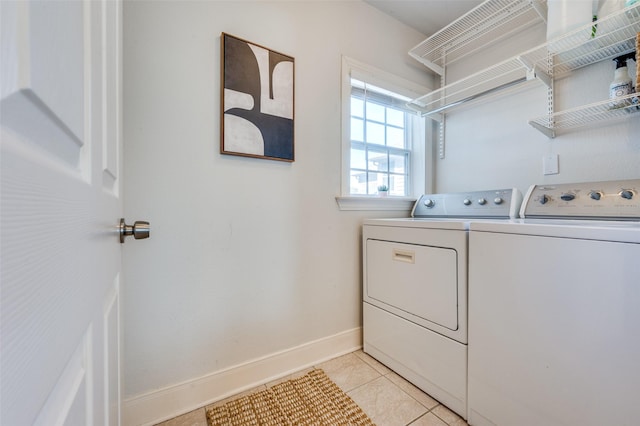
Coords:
pixel 383 190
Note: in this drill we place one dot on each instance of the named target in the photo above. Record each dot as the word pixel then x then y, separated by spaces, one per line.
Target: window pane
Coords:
pixel 357 107
pixel 375 112
pixel 375 133
pixel 358 182
pixel 375 180
pixel 357 129
pixel 378 161
pixel 397 163
pixel 397 185
pixel 358 160
pixel 395 137
pixel 395 117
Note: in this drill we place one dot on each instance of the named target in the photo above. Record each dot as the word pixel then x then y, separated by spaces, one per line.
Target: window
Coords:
pixel 384 142
pixel 380 141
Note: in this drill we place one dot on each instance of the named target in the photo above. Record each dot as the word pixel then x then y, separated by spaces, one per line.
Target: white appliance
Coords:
pixel 554 309
pixel 415 289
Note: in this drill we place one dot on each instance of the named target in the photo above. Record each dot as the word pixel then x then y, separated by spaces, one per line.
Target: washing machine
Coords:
pixel 554 309
pixel 415 289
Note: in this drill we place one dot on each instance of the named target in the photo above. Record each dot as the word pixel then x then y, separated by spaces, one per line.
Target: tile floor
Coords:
pixel 387 398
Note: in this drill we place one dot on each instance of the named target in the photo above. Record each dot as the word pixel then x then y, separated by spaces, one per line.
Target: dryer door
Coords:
pixel 418 280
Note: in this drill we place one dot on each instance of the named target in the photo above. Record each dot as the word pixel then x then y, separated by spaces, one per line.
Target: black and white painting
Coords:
pixel 257 101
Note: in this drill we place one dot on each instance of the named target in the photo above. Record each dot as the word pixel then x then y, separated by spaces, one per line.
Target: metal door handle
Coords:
pixel 139 230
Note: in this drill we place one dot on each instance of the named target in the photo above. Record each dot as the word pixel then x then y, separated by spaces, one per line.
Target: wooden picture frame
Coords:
pixel 257 101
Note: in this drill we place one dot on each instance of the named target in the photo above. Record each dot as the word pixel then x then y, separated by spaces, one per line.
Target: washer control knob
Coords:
pixel 568 196
pixel 626 194
pixel 498 200
pixel 482 201
pixel 544 199
pixel 429 202
pixel 467 201
pixel 595 195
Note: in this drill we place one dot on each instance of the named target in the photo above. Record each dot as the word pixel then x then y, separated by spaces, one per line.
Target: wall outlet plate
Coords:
pixel 550 164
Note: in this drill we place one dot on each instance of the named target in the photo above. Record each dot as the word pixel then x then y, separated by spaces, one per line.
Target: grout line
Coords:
pixel 380 374
pixel 417 418
pixel 364 384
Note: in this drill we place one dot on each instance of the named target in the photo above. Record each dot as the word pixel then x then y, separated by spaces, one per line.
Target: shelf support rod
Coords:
pixel 431 65
pixel 547 131
pixel 550 97
pixel 428 114
pixel 439 118
pixel 442 123
pixel 473 97
pixel 550 130
pixel 540 75
pixel 534 72
pixel 540 8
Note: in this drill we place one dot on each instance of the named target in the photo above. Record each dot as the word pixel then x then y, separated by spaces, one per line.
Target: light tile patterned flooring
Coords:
pixel 387 398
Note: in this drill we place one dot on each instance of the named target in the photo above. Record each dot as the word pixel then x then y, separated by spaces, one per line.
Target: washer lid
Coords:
pixel 615 231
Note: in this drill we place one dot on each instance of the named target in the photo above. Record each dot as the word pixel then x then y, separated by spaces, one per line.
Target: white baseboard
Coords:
pixel 164 404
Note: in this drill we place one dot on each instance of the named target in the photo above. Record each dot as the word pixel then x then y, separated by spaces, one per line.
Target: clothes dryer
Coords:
pixel 415 289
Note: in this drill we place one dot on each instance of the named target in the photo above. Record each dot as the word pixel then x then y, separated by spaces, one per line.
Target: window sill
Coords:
pixel 375 203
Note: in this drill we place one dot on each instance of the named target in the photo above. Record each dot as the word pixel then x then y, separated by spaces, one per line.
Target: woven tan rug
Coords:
pixel 312 399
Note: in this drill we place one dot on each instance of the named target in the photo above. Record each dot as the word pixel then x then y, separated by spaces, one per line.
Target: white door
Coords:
pixel 61 202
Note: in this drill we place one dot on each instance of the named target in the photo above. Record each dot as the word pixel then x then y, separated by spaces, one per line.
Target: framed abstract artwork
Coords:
pixel 257 101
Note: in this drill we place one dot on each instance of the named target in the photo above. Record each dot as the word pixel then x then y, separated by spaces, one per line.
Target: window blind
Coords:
pixel 367 92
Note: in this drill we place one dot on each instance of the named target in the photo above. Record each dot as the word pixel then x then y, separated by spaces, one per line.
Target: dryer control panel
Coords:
pixel 496 203
pixel 608 200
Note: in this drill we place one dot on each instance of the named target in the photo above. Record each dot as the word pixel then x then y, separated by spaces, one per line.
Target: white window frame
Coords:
pixel 421 157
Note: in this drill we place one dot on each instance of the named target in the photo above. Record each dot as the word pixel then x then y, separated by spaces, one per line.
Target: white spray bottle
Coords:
pixel 621 84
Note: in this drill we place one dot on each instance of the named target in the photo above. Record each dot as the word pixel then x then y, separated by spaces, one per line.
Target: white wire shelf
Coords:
pixel 490 80
pixel 489 22
pixel 587 115
pixel 615 36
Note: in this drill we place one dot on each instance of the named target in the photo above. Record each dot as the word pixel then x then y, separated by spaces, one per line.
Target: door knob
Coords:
pixel 139 230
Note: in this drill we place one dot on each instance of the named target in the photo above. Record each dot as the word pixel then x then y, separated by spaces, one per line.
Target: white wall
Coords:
pixel 491 145
pixel 247 257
